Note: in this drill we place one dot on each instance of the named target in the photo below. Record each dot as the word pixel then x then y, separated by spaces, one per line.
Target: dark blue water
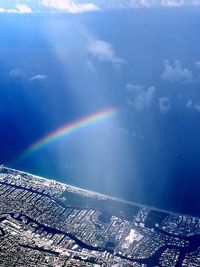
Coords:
pixel 140 155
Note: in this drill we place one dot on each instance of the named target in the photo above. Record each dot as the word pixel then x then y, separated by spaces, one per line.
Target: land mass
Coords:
pixel 47 223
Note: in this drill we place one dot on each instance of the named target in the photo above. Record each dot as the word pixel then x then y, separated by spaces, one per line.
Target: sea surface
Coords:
pixel 49 78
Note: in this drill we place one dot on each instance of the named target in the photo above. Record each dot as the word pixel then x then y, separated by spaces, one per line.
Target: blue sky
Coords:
pixel 79 6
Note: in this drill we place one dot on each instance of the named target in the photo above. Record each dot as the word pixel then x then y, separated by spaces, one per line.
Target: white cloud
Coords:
pixel 16 73
pixel 189 103
pixel 79 6
pixel 2 10
pixel 144 98
pixel 69 6
pixel 104 52
pixel 19 8
pixel 164 104
pixel 141 3
pixel 140 97
pixel 131 3
pixel 175 73
pixel 180 3
pixel 151 3
pixel 197 107
pixel 39 77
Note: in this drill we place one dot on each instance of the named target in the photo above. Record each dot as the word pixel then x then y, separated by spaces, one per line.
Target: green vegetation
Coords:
pixel 108 206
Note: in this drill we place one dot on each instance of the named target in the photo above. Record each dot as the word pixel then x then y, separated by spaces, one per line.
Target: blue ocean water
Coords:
pixel 142 155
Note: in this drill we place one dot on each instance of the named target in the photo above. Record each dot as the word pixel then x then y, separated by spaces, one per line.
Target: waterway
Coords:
pixel 194 241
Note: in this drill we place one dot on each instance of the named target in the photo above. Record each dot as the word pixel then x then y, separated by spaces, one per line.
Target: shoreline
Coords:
pixel 100 194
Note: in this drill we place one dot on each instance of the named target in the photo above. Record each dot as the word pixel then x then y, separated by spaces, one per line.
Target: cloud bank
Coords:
pixel 69 6
pixel 80 6
pixel 19 8
pixel 151 3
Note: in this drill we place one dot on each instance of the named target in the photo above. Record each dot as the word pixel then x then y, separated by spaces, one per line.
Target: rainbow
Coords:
pixel 67 130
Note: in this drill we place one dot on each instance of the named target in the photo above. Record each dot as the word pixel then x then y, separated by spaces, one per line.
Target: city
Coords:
pixel 47 223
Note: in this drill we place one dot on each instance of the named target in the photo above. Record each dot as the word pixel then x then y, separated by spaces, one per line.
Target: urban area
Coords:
pixel 47 223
